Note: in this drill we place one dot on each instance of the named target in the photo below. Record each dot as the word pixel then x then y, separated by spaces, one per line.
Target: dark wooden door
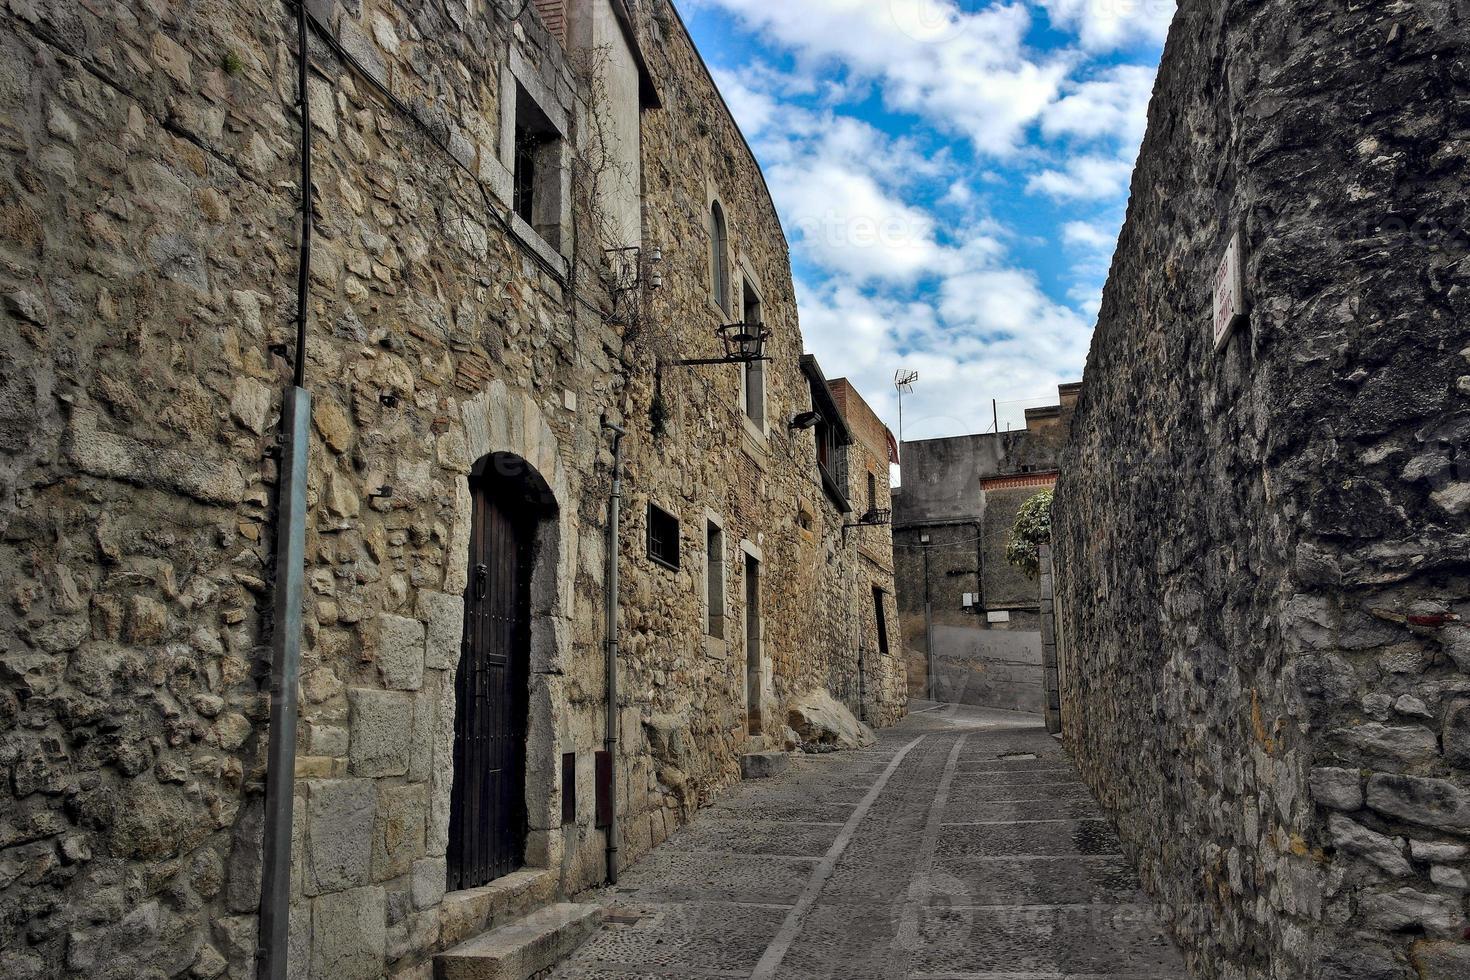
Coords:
pixel 487 823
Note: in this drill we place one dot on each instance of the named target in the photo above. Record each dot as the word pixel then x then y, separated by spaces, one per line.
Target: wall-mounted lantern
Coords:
pixel 804 421
pixel 744 343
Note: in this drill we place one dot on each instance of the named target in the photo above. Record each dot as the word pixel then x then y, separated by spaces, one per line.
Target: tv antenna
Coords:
pixel 903 381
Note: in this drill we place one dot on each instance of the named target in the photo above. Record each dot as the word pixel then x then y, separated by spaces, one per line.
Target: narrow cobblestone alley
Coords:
pixel 962 845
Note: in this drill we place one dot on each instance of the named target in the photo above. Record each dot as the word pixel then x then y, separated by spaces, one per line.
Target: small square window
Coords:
pixel 663 537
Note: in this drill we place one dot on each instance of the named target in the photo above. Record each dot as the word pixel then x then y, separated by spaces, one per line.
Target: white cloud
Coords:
pixel 1083 178
pixel 839 185
pixel 1114 104
pixel 966 71
pixel 1090 236
pixel 900 261
pixel 752 109
pixel 990 333
pixel 1102 25
pixel 850 225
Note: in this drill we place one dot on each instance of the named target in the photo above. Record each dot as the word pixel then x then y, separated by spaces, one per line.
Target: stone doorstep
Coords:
pixel 761 765
pixel 523 948
pixel 467 913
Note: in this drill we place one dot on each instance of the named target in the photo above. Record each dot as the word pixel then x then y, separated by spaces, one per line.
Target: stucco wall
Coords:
pixel 1245 538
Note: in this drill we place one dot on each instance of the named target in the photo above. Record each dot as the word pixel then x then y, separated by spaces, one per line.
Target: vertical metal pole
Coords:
pixel 610 743
pixel 280 777
pixel 1052 706
pixel 275 883
pixel 928 631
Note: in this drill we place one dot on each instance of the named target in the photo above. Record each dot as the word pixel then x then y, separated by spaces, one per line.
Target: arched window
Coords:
pixel 719 257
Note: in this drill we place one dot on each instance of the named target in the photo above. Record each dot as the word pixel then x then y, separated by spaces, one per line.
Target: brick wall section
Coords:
pixel 865 424
pixel 1257 550
pixel 554 16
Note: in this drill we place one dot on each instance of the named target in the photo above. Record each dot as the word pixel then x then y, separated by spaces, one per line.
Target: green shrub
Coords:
pixel 1031 530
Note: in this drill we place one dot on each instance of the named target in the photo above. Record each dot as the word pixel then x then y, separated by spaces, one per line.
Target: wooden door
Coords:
pixel 487 824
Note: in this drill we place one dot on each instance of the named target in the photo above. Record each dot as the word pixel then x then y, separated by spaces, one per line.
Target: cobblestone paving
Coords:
pixel 961 847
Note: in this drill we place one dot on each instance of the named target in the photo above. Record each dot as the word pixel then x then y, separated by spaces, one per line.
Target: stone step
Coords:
pixel 521 949
pixel 762 765
pixel 468 913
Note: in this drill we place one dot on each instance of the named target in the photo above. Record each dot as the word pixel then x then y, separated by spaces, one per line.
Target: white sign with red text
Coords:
pixel 1229 293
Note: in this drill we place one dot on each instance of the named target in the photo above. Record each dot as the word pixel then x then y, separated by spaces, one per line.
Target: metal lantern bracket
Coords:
pixel 874 518
pixel 744 344
pixel 631 267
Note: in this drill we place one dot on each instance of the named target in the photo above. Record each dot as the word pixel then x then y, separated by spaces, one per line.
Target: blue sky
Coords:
pixel 952 177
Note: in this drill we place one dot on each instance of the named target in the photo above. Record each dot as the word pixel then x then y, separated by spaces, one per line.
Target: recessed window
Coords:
pixel 536 192
pixel 754 375
pixel 663 537
pixel 568 787
pixel 872 492
pixel 714 551
pixel 719 256
pixel 881 618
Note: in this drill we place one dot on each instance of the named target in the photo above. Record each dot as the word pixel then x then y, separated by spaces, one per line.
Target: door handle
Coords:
pixel 482 577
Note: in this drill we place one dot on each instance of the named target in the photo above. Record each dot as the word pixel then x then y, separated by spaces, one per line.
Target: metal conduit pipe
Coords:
pixel 610 744
pixel 290 572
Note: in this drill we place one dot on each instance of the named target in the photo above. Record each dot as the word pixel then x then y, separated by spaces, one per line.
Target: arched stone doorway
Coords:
pixel 512 522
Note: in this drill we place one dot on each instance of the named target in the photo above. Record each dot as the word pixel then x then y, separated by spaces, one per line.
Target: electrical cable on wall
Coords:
pixel 303 272
pixel 403 109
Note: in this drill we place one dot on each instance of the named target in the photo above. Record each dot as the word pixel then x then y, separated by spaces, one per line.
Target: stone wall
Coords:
pixel 963 493
pixel 884 676
pixel 1261 574
pixel 148 230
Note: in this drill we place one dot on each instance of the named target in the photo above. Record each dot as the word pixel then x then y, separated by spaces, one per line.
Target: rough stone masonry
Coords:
pixel 1263 552
pixel 459 314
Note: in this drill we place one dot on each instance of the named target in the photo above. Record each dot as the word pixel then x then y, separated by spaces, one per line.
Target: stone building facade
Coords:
pixel 871 453
pixel 952 521
pixel 495 202
pixel 1263 597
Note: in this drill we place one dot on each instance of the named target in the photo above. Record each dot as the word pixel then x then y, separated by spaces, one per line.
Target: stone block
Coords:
pixel 443 617
pixel 430 877
pixel 338 845
pixel 398 835
pixel 1353 838
pixel 348 934
pixel 1407 742
pixel 1441 960
pixel 1407 908
pixel 381 723
pixel 1456 733
pixel 1429 802
pixel 1337 789
pixel 763 765
pixel 401 652
pixel 1436 851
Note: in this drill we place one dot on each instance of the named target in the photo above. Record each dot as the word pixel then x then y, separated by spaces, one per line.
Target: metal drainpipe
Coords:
pixel 928 626
pixel 280 775
pixel 610 743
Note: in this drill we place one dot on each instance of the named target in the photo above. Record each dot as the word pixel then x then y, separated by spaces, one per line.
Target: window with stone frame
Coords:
pixel 719 258
pixel 537 189
pixel 663 537
pixel 880 617
pixel 753 373
pixel 714 556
